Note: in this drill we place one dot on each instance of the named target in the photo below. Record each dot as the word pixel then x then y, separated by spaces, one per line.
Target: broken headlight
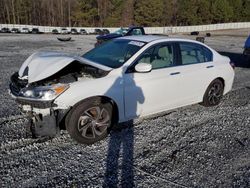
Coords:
pixel 44 93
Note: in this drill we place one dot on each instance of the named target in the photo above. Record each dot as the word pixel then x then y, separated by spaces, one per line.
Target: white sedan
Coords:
pixel 125 78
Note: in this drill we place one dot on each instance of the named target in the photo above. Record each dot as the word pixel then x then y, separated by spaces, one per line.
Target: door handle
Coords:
pixel 174 73
pixel 209 67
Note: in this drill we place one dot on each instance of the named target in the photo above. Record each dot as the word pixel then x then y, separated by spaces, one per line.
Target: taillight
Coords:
pixel 232 64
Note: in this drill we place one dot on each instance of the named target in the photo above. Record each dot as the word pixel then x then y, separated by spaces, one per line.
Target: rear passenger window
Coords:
pixel 194 53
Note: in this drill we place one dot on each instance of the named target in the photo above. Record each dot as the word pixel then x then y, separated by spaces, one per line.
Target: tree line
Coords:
pixel 116 13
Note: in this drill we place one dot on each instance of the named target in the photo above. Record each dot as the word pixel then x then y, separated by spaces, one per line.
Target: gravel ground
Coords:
pixel 188 147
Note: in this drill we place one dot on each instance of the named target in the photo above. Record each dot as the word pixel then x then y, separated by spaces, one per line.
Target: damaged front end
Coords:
pixel 36 101
pixel 36 94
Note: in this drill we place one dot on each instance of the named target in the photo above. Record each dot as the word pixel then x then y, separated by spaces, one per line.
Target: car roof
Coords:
pixel 144 38
pixel 150 38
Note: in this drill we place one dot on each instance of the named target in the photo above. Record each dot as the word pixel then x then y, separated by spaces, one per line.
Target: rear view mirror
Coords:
pixel 143 67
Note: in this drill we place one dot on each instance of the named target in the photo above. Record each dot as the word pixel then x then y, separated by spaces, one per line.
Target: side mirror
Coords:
pixel 143 67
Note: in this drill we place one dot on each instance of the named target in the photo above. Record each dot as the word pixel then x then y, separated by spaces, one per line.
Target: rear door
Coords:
pixel 197 71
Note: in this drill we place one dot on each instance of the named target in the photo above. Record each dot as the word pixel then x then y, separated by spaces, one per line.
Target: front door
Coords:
pixel 155 91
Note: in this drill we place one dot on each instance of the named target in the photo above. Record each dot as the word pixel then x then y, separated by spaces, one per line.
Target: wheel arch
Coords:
pixel 221 79
pixel 218 78
pixel 210 83
pixel 99 98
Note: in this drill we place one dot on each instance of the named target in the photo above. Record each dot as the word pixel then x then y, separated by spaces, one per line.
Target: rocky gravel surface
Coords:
pixel 187 147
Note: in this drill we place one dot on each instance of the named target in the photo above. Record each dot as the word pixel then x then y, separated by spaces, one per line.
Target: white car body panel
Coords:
pixel 197 77
pixel 146 93
pixel 110 86
pixel 136 94
pixel 44 64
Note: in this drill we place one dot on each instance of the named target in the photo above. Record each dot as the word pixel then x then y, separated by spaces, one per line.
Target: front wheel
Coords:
pixel 213 94
pixel 89 121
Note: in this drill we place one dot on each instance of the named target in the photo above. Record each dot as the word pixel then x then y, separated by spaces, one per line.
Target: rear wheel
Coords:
pixel 214 93
pixel 89 121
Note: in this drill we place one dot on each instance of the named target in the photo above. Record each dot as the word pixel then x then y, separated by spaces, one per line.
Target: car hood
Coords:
pixel 108 36
pixel 42 65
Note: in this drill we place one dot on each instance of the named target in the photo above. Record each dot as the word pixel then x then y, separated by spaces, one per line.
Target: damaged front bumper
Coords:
pixel 45 117
pixel 44 122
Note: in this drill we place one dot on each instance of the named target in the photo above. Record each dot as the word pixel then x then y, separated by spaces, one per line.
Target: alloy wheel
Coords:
pixel 215 93
pixel 93 122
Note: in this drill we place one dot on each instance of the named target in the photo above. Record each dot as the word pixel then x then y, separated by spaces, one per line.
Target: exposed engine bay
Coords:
pixel 71 73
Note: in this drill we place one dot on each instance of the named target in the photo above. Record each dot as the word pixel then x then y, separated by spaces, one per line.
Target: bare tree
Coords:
pixel 69 13
pixel 13 11
pixel 128 13
pixel 6 3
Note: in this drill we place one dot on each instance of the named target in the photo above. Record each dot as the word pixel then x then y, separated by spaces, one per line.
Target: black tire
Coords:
pixel 213 94
pixel 246 55
pixel 83 123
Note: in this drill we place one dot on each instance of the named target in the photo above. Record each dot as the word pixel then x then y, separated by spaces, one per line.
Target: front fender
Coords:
pixel 78 91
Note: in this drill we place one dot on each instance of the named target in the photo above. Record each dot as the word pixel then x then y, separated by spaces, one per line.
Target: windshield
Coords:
pixel 114 53
pixel 121 31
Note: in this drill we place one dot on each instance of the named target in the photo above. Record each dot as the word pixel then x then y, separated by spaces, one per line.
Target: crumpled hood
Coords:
pixel 42 65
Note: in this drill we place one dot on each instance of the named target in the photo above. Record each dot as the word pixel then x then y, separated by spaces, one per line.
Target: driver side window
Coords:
pixel 160 56
pixel 147 56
